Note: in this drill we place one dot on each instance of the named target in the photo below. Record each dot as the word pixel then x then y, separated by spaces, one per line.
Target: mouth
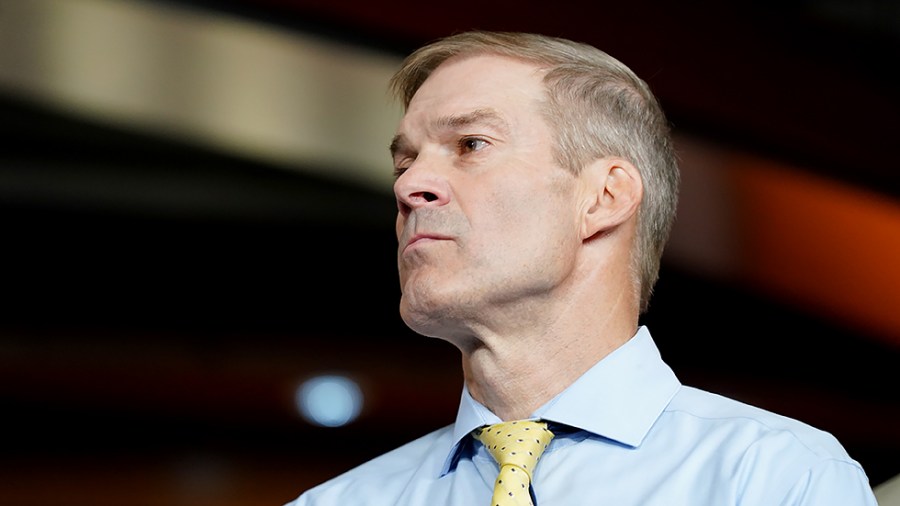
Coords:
pixel 419 240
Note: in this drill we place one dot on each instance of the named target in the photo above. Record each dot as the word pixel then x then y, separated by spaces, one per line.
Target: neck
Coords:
pixel 515 371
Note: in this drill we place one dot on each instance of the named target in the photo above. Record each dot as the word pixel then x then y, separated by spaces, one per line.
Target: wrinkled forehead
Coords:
pixel 461 85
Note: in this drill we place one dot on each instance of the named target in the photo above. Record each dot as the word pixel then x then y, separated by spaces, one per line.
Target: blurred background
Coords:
pixel 199 293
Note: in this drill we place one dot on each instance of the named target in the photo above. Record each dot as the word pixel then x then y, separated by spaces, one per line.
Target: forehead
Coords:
pixel 462 84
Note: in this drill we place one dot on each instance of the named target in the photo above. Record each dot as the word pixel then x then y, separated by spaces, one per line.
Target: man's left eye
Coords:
pixel 469 144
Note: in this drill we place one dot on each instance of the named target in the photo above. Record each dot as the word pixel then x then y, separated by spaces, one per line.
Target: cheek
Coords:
pixel 525 215
pixel 398 225
pixel 506 220
pixel 532 226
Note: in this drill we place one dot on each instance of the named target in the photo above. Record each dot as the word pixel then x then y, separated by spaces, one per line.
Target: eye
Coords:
pixel 398 171
pixel 471 144
pixel 401 164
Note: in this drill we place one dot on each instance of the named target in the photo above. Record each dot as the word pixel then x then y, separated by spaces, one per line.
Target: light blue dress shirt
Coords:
pixel 627 433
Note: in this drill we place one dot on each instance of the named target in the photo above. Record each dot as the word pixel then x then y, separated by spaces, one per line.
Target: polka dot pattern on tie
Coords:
pixel 516 446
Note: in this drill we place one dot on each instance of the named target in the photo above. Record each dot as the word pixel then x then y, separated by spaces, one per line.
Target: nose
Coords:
pixel 418 187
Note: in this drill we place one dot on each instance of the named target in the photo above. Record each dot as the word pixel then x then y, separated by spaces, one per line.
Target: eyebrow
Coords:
pixel 486 116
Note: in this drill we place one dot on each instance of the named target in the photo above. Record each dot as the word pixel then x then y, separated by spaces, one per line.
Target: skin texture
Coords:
pixel 515 260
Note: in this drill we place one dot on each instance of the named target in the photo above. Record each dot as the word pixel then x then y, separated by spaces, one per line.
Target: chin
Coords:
pixel 418 320
pixel 426 315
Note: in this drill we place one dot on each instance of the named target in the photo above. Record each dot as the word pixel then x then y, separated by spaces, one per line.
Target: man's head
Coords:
pixel 595 107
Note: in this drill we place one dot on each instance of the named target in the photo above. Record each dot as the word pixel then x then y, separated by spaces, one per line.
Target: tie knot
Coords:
pixel 520 443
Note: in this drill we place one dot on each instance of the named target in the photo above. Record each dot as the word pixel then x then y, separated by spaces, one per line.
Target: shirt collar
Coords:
pixel 471 415
pixel 619 398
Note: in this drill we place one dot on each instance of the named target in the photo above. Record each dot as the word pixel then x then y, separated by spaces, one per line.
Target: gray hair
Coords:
pixel 597 106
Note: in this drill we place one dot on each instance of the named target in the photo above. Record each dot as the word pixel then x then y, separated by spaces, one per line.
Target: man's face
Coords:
pixel 487 221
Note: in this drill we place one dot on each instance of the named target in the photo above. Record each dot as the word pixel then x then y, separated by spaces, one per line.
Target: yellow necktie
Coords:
pixel 516 446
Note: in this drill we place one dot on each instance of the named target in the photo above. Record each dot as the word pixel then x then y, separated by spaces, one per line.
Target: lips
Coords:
pixel 423 238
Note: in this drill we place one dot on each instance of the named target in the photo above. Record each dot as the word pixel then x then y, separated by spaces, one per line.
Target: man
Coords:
pixel 536 185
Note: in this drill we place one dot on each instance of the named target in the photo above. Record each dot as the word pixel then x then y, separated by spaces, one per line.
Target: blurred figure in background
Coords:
pixel 537 183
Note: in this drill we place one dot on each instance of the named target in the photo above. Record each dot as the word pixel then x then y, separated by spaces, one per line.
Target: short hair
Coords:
pixel 597 107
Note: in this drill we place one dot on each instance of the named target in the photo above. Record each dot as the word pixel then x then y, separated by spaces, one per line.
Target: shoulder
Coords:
pixel 382 475
pixel 755 425
pixel 772 459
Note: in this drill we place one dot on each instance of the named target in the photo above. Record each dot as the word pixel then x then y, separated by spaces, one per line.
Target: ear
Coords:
pixel 614 190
